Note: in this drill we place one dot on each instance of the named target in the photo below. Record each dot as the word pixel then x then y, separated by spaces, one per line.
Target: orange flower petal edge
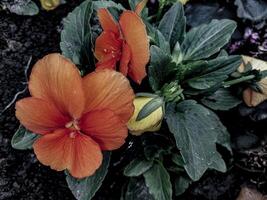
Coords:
pixel 131 48
pixel 74 135
pixel 135 35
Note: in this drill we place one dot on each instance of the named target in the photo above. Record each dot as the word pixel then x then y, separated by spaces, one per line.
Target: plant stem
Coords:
pixel 238 80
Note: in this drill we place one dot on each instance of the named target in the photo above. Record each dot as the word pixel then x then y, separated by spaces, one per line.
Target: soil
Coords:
pixel 22 177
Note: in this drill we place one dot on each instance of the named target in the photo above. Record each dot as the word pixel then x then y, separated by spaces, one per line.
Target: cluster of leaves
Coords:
pixel 183 67
pixel 200 12
pixel 191 72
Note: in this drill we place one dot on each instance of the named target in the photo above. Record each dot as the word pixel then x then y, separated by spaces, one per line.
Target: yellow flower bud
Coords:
pixel 251 97
pixel 150 123
pixel 50 4
pixel 183 1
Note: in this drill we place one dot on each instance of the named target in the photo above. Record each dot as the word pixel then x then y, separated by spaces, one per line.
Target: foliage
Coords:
pixel 84 189
pixel 20 7
pixel 190 74
pixel 23 139
pixel 76 43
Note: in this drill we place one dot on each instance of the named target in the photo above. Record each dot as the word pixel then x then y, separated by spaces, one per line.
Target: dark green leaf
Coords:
pixel 162 43
pixel 107 4
pixel 178 160
pixel 158 182
pixel 177 53
pixel 161 66
pixel 156 145
pixel 172 25
pixel 22 7
pixel 23 139
pixel 181 184
pixel 222 99
pixel 195 129
pixel 85 189
pixel 137 190
pixel 137 167
pixel 205 40
pixel 254 10
pixel 203 13
pixel 76 36
pixel 214 72
pixel 150 107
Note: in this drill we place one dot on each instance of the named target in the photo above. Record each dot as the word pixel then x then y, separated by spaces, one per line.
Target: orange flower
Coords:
pixel 77 117
pixel 125 42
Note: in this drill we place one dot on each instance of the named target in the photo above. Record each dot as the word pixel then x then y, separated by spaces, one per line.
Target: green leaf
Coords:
pixel 199 13
pixel 222 99
pixel 214 72
pixel 150 107
pixel 195 129
pixel 254 10
pixel 176 53
pixel 173 24
pixel 23 8
pixel 205 40
pixel 161 66
pixel 137 190
pixel 161 42
pixel 137 167
pixel 76 36
pixel 156 145
pixel 85 189
pixel 181 184
pixel 158 182
pixel 107 4
pixel 178 160
pixel 23 139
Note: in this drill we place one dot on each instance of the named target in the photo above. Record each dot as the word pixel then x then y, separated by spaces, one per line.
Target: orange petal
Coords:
pixel 108 89
pixel 80 154
pixel 140 6
pixel 106 44
pixel 39 116
pixel 134 32
pixel 125 59
pixel 107 64
pixel 107 21
pixel 105 128
pixel 57 80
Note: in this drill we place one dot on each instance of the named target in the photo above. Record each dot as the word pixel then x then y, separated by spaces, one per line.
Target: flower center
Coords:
pixel 73 126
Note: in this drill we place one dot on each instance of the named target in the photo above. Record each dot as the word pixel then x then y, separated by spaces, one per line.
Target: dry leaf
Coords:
pixel 250 194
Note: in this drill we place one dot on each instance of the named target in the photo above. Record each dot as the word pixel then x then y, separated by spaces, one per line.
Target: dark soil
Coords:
pixel 22 177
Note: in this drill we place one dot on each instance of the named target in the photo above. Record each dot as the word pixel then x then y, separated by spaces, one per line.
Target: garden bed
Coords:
pixel 22 177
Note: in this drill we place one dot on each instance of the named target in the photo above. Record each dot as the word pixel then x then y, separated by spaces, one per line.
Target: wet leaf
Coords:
pixel 172 25
pixel 137 190
pixel 85 189
pixel 254 10
pixel 181 184
pixel 205 40
pixel 161 66
pixel 137 167
pixel 158 182
pixel 222 99
pixel 23 139
pixel 195 129
pixel 76 36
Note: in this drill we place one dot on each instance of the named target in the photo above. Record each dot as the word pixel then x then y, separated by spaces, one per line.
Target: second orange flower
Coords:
pixel 124 42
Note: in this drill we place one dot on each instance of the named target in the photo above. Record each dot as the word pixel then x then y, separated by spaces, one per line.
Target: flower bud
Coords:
pixel 151 109
pixel 250 96
pixel 184 1
pixel 50 4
